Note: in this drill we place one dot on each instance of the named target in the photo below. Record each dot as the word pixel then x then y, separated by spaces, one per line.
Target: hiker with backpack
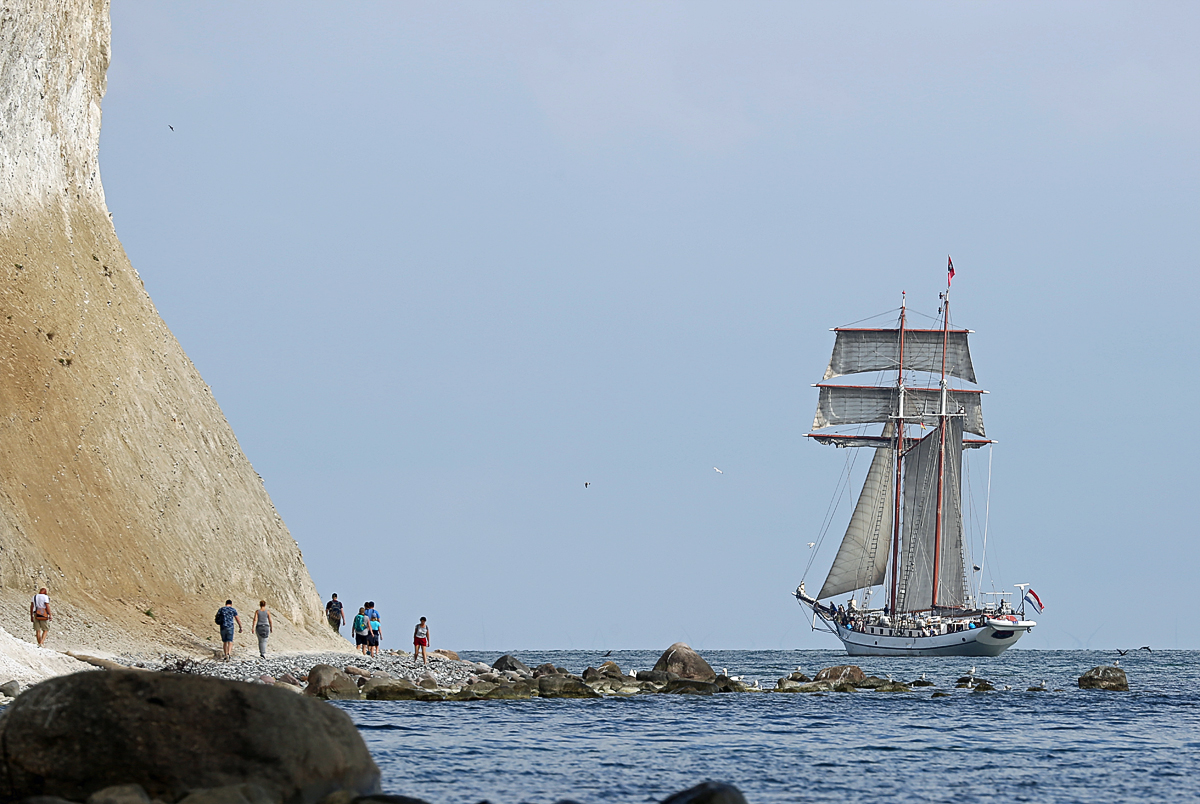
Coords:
pixel 226 616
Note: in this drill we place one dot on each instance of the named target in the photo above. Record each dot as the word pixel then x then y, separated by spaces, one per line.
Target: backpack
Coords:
pixel 219 620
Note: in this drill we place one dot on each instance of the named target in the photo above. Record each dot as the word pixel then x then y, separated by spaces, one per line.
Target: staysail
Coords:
pixel 919 532
pixel 860 350
pixel 862 558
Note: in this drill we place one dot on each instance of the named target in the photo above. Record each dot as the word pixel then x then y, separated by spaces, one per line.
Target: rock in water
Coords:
pixel 842 672
pixel 133 485
pixel 508 662
pixel 564 687
pixel 1104 677
pixel 684 662
pixel 708 793
pixel 688 686
pixel 326 681
pixel 173 733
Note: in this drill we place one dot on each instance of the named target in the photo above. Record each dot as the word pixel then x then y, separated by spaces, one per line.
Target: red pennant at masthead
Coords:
pixel 949 270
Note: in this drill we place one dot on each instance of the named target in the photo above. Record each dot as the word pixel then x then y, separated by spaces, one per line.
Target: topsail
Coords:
pixel 860 350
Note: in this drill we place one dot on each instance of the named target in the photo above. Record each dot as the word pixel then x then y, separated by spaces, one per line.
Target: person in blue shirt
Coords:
pixel 376 635
pixel 226 616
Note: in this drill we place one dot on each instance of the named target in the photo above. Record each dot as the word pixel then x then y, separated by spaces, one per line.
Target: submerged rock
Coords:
pixel 707 793
pixel 176 733
pixel 921 682
pixel 690 686
pixel 684 662
pixel 1104 677
pixel 564 687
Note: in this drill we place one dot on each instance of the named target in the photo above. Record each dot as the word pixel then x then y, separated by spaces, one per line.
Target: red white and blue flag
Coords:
pixel 1031 597
pixel 949 270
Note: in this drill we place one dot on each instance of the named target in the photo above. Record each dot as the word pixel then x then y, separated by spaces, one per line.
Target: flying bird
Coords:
pixel 976 567
pixel 1122 652
pixel 1145 647
pixel 587 483
pixel 718 471
pixel 811 545
pixel 170 126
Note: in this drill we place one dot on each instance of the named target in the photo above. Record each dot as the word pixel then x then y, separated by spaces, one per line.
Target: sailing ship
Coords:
pixel 906 532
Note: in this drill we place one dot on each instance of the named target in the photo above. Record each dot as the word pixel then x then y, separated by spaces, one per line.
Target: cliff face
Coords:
pixel 122 487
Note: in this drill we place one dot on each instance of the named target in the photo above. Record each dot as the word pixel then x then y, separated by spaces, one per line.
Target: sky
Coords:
pixel 443 263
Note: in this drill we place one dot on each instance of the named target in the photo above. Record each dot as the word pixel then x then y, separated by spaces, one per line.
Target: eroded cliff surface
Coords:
pixel 122 486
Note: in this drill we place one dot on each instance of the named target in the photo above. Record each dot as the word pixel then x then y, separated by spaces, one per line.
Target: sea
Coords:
pixel 1064 745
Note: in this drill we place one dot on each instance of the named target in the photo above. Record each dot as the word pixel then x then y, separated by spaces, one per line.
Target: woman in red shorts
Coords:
pixel 421 641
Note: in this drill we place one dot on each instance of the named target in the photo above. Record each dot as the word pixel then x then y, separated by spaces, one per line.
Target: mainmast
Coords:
pixel 941 470
pixel 898 458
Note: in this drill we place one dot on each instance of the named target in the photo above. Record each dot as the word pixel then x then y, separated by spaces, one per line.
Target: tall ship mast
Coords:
pixel 905 536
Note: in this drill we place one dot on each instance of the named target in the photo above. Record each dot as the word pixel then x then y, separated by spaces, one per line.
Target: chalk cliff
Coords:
pixel 122 486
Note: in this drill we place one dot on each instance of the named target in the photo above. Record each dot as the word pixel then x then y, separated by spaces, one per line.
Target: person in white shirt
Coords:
pixel 40 615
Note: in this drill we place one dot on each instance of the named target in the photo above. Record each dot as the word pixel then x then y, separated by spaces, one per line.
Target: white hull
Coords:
pixel 989 640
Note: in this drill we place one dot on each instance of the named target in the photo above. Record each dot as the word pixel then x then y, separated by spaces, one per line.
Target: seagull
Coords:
pixel 1116 662
pixel 972 671
pixel 1122 652
pixel 587 483
pixel 170 126
pixel 718 471
pixel 811 545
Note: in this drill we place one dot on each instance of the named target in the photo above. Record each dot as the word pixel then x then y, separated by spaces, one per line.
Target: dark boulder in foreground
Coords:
pixel 1104 677
pixel 842 672
pixel 684 662
pixel 564 687
pixel 509 662
pixel 707 793
pixel 174 734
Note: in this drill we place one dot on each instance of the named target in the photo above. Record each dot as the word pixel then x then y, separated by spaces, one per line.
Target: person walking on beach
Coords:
pixel 262 627
pixel 376 634
pixel 335 615
pixel 40 615
pixel 421 641
pixel 371 612
pixel 362 630
pixel 226 616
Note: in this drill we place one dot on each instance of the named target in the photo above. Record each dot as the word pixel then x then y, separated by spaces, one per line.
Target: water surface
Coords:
pixel 1014 745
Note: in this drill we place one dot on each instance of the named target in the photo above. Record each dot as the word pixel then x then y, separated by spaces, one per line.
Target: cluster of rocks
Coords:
pixel 130 737
pixel 680 671
pixel 849 678
pixel 842 678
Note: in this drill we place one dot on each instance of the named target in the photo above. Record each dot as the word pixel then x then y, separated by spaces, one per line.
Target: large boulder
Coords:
pixel 1104 677
pixel 842 672
pixel 510 662
pixel 75 735
pixel 326 681
pixel 446 654
pixel 684 662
